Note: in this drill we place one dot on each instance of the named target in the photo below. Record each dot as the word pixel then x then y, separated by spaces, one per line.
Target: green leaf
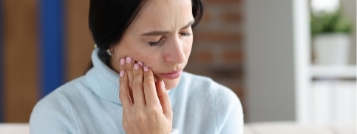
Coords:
pixel 330 22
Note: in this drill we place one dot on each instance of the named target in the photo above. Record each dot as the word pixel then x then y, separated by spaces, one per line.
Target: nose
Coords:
pixel 175 52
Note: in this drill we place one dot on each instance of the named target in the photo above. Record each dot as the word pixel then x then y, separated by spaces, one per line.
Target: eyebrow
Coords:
pixel 156 33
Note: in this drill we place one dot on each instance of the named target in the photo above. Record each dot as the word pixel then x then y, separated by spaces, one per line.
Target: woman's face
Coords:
pixel 160 37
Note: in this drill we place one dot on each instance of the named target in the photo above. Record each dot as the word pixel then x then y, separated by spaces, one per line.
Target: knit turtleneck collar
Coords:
pixel 103 81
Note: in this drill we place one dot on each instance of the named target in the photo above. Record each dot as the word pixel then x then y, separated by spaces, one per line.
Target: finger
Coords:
pixel 149 88
pixel 122 66
pixel 140 63
pixel 124 90
pixel 164 99
pixel 155 78
pixel 122 63
pixel 137 87
pixel 129 64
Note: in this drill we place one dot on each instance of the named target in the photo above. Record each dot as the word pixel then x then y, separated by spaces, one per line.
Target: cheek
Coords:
pixel 188 46
pixel 129 47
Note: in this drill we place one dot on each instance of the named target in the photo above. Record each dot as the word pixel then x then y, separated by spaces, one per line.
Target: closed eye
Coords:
pixel 186 34
pixel 159 42
pixel 156 43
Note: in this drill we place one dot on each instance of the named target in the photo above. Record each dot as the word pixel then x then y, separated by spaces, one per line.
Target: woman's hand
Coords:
pixel 149 109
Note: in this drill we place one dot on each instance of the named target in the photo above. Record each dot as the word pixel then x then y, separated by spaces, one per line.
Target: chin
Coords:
pixel 170 84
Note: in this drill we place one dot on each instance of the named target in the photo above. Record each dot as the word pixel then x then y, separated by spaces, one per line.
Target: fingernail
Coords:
pixel 122 61
pixel 140 63
pixel 128 60
pixel 136 66
pixel 146 68
pixel 121 73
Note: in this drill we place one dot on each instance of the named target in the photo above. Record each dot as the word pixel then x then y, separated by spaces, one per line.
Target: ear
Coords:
pixel 110 50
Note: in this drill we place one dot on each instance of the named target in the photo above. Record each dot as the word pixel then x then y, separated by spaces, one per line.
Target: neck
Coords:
pixel 113 64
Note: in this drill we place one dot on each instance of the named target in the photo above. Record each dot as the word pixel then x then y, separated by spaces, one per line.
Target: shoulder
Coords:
pixel 54 109
pixel 64 92
pixel 51 106
pixel 58 98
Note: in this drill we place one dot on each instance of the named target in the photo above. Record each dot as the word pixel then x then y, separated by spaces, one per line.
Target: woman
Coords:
pixel 136 84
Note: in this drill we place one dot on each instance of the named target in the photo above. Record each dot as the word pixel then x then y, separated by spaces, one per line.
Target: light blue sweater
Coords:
pixel 90 105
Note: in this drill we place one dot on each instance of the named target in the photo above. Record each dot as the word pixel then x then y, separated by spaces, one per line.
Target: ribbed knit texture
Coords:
pixel 90 105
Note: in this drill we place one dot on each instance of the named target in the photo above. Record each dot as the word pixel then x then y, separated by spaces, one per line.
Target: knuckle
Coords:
pixel 128 68
pixel 122 95
pixel 129 72
pixel 147 87
pixel 137 87
pixel 154 110
pixel 125 124
pixel 122 79
pixel 127 65
pixel 147 74
pixel 140 117
pixel 137 76
pixel 148 82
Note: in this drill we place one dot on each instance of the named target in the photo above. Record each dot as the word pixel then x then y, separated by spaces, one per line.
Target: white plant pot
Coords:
pixel 331 49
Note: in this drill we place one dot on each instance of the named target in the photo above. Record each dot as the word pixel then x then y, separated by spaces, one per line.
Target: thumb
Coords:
pixel 164 99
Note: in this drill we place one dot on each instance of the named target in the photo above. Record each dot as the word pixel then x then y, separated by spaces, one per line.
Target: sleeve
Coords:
pixel 229 110
pixel 50 116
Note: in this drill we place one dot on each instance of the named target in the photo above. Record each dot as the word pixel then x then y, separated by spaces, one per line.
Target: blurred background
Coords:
pixel 287 60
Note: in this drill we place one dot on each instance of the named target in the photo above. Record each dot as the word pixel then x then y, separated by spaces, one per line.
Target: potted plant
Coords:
pixel 331 37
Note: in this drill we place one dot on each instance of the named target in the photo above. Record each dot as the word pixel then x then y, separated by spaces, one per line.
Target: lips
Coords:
pixel 172 75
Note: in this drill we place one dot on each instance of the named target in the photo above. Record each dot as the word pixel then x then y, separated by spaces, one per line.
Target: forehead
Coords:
pixel 163 15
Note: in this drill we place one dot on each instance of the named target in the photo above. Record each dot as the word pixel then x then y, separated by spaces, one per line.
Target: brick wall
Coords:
pixel 217 50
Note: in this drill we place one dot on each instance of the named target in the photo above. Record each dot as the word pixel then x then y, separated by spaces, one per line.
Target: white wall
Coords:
pixel 349 6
